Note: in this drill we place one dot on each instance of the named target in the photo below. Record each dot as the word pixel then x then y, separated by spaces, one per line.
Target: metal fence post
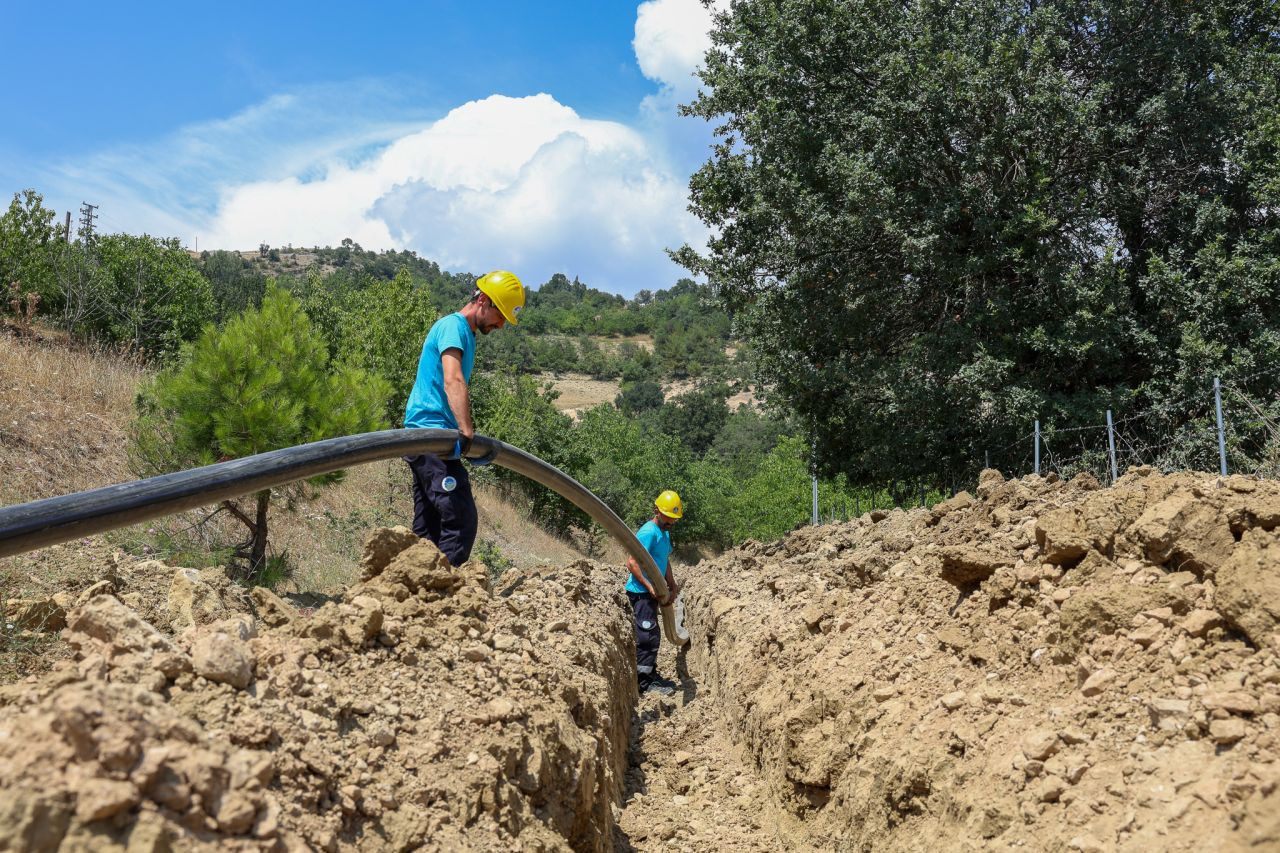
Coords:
pixel 1222 438
pixel 1037 445
pixel 1111 445
pixel 815 500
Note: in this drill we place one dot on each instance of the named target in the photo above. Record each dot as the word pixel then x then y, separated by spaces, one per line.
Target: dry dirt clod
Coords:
pixel 222 657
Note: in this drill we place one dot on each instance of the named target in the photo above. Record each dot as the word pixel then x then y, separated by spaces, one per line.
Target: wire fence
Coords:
pixel 1218 425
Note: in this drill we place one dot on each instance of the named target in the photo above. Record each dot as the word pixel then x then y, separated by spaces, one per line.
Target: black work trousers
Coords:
pixel 648 635
pixel 444 510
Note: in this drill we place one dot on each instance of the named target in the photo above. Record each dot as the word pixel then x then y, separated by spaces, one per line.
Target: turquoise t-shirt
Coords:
pixel 427 405
pixel 658 543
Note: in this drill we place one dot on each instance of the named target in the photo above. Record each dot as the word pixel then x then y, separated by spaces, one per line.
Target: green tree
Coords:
pixel 28 246
pixel 521 411
pixel 152 297
pixel 236 285
pixel 382 329
pixel 746 437
pixel 623 463
pixel 936 222
pixel 262 382
pixel 696 417
pixel 776 497
pixel 638 397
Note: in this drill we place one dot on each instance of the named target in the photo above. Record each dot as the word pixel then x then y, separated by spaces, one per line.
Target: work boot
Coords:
pixel 659 687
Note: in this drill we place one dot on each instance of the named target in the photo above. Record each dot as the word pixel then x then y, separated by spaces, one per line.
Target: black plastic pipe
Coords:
pixel 38 524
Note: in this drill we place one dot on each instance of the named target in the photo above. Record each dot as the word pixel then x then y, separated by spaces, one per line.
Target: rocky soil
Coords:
pixel 1045 665
pixel 1039 665
pixel 419 710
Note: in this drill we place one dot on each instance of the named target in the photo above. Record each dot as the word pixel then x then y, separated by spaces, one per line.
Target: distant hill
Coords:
pixel 667 334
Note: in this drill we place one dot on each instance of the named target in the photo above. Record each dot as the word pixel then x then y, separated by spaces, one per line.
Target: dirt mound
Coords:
pixel 422 709
pixel 1048 665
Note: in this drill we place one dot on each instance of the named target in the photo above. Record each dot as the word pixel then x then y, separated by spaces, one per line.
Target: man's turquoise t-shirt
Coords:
pixel 658 543
pixel 427 405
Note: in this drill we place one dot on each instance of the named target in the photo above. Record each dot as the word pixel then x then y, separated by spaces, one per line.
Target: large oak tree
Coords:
pixel 938 221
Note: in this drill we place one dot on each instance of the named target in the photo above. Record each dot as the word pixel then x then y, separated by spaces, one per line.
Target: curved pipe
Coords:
pixel 26 527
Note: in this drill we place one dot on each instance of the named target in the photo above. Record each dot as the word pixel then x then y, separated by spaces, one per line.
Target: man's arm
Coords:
pixel 673 586
pixel 638 574
pixel 455 388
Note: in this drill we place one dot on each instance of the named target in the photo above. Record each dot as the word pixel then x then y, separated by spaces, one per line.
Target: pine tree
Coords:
pixel 262 382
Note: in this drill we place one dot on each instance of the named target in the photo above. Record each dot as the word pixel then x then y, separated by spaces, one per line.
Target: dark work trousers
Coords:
pixel 443 509
pixel 648 635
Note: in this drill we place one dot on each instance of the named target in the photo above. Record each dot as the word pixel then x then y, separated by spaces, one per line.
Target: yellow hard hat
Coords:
pixel 505 291
pixel 668 503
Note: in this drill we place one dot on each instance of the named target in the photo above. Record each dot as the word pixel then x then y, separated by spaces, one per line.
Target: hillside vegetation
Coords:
pixel 743 472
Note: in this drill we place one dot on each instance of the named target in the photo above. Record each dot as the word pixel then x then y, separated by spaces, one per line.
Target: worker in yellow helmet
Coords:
pixel 655 536
pixel 444 509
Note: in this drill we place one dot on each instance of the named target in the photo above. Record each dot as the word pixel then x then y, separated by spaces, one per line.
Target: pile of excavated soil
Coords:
pixel 1047 665
pixel 420 710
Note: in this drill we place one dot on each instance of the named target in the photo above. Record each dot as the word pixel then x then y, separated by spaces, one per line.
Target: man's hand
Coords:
pixel 673 589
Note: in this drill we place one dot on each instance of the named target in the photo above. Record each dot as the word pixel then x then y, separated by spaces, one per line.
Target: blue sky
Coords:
pixel 538 137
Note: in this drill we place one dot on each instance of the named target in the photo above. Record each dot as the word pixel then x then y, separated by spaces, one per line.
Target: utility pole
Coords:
pixel 66 231
pixel 87 216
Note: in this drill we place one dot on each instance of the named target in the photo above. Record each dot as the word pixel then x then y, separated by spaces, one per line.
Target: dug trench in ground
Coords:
pixel 1045 666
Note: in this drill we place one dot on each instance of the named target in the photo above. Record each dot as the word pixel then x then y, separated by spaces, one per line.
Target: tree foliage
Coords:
pixel 521 411
pixel 937 222
pixel 263 381
pixel 638 397
pixel 152 297
pixel 28 246
pixel 696 417
pixel 235 283
pixel 381 329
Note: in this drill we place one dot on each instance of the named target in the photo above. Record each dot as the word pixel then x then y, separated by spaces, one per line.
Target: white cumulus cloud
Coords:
pixel 671 38
pixel 523 183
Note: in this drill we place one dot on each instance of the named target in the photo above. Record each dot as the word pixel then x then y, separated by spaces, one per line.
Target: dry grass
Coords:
pixel 579 392
pixel 612 345
pixel 505 523
pixel 64 413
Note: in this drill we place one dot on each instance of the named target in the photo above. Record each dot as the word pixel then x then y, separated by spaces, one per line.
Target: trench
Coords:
pixel 945 678
pixel 688 786
pixel 684 784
